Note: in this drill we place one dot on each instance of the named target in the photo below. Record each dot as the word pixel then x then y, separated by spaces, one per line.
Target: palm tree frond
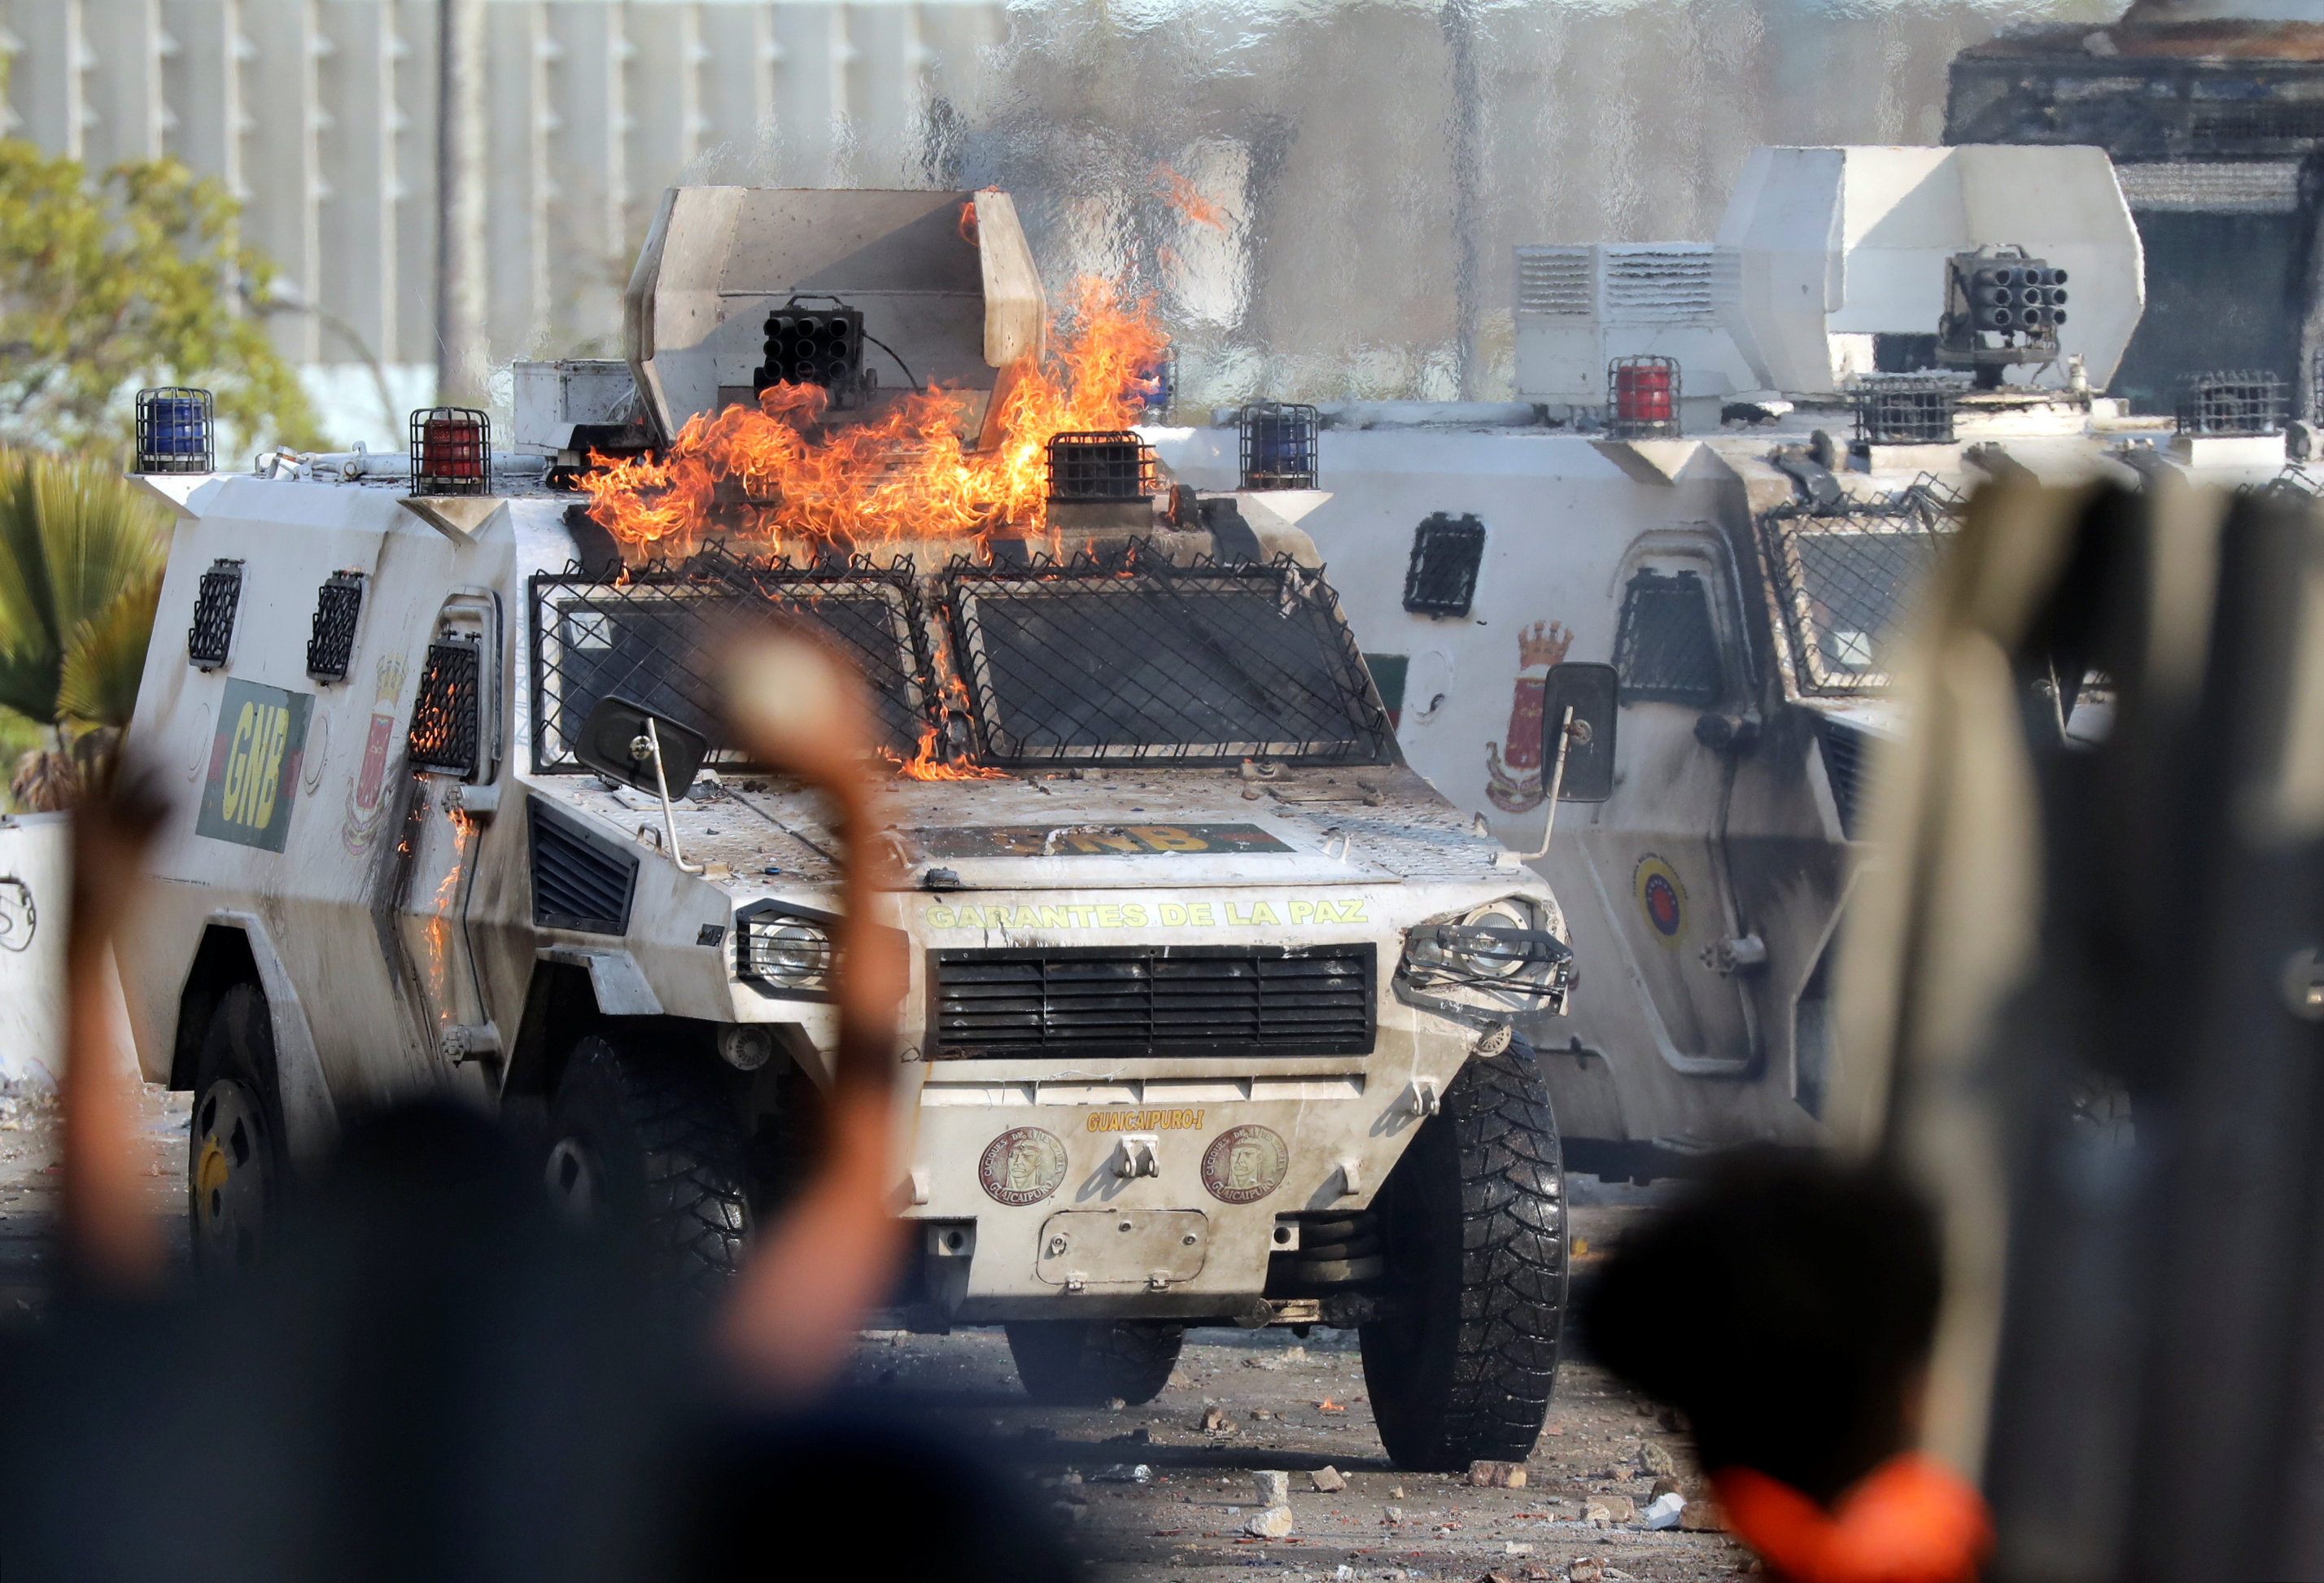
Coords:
pixel 105 656
pixel 80 548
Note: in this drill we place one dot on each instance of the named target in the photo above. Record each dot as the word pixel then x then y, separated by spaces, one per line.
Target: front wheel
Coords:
pixel 235 1164
pixel 1087 1363
pixel 644 1145
pixel 1472 1221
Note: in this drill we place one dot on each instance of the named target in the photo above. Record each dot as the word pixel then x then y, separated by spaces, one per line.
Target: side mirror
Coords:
pixel 616 743
pixel 1592 692
pixel 1578 703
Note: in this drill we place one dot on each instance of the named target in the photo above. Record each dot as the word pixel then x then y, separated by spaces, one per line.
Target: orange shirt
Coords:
pixel 1910 1520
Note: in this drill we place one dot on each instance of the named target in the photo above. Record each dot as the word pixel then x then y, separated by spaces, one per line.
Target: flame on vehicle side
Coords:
pixel 927 764
pixel 773 477
pixel 439 928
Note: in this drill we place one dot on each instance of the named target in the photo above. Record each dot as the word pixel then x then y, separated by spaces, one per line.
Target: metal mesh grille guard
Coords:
pixel 650 636
pixel 1842 578
pixel 1127 658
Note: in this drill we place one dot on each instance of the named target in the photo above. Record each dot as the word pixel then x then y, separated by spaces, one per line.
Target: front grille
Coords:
pixel 1161 1000
pixel 579 881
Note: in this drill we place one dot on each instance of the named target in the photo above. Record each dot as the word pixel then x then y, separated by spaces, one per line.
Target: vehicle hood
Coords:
pixel 1104 829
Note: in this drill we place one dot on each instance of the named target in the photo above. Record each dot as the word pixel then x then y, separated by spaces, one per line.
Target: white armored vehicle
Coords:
pixel 1211 1001
pixel 1734 462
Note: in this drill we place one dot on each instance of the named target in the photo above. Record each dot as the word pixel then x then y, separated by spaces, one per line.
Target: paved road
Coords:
pixel 30 1189
pixel 1294 1404
pixel 1185 1522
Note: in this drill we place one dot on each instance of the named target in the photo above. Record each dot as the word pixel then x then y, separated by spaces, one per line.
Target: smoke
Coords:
pixel 1326 196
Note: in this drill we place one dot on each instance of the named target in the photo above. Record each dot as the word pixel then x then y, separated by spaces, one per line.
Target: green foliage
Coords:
pixel 134 279
pixel 18 736
pixel 81 554
pixel 104 656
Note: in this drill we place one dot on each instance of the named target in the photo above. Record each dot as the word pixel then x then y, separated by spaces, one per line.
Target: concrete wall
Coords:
pixel 35 882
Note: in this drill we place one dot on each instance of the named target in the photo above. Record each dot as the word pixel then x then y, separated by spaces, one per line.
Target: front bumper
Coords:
pixel 1155 1188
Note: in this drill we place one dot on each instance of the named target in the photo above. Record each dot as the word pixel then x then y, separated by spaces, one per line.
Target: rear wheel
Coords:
pixel 1472 1223
pixel 235 1162
pixel 1087 1363
pixel 644 1145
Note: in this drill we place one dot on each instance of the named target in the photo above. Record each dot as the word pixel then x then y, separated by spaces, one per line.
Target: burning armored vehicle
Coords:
pixel 1212 1010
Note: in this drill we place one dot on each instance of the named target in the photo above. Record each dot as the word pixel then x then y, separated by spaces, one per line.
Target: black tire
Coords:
pixel 1473 1224
pixel 644 1145
pixel 235 1162
pixel 1087 1363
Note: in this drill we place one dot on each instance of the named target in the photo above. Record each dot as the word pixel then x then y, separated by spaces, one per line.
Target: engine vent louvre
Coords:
pixel 1262 1000
pixel 1555 282
pixel 579 880
pixel 1666 284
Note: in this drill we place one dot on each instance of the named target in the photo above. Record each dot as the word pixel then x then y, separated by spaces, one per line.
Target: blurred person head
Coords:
pixel 1785 1304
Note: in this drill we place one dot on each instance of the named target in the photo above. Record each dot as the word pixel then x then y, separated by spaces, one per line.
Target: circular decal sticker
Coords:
pixel 1244 1164
pixel 1661 897
pixel 1023 1166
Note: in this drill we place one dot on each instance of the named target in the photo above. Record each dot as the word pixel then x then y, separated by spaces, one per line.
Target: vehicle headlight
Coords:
pixel 1496 956
pixel 784 950
pixel 1514 915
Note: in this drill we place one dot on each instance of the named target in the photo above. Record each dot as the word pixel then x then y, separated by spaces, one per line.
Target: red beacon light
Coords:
pixel 451 451
pixel 1643 395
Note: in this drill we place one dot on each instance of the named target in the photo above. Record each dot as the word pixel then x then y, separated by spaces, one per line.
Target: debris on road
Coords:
pixel 1122 1473
pixel 1273 1487
pixel 1274 1523
pixel 1605 1511
pixel 1662 1511
pixel 1702 1516
pixel 1328 1480
pixel 1584 1570
pixel 1215 1421
pixel 1656 1458
pixel 1497 1474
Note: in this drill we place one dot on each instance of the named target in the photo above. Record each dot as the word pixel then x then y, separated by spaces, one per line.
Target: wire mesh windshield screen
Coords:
pixel 1843 579
pixel 651 639
pixel 1149 662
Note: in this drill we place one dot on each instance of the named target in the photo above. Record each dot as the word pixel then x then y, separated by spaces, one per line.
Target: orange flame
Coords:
pixel 439 927
pixel 775 476
pixel 924 765
pixel 1187 198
